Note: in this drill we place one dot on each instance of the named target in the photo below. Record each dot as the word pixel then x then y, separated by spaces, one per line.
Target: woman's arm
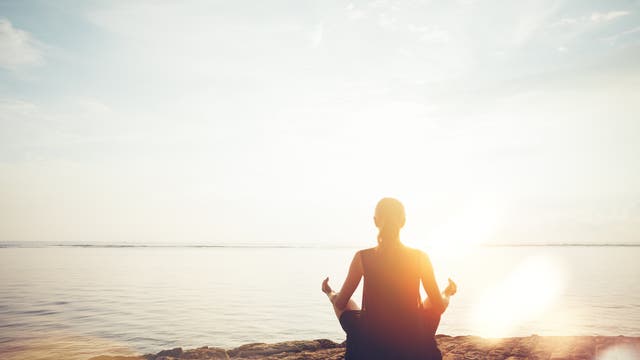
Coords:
pixel 430 285
pixel 341 299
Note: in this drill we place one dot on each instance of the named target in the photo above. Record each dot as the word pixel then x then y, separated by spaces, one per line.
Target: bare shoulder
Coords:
pixel 358 262
pixel 364 251
pixel 360 255
pixel 423 258
pixel 420 253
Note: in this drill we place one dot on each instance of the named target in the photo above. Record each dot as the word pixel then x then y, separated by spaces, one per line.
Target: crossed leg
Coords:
pixel 351 305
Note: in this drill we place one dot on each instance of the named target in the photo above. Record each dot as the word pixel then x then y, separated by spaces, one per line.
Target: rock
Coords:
pixel 453 348
pixel 260 349
pixel 168 354
pixel 206 353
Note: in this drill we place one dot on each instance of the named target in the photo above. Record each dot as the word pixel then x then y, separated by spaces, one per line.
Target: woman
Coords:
pixel 394 323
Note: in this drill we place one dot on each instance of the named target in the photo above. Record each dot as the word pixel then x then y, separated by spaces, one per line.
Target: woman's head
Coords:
pixel 389 219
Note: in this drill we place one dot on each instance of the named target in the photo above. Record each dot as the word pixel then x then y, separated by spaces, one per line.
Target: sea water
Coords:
pixel 75 302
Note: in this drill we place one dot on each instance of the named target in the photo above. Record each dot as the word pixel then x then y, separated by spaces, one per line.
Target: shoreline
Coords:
pixel 452 347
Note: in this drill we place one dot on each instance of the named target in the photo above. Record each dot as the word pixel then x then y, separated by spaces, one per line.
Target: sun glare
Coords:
pixel 522 296
pixel 475 225
pixel 619 352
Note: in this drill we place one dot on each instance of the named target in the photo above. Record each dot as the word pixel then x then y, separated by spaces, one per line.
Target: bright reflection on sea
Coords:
pixel 521 296
pixel 58 345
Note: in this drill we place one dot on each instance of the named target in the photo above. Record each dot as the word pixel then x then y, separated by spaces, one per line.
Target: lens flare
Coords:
pixel 522 296
pixel 619 352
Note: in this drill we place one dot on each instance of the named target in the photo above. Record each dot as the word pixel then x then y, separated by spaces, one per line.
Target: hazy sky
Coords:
pixel 285 121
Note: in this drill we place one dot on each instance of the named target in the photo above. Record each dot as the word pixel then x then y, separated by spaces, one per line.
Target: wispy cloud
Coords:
pixel 623 34
pixel 596 17
pixel 611 15
pixel 17 47
pixel 355 13
pixel 316 36
pixel 430 34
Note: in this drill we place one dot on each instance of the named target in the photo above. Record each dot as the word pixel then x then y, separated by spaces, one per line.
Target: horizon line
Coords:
pixel 42 244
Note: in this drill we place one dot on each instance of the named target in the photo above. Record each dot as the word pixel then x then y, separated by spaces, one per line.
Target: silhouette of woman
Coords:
pixel 394 323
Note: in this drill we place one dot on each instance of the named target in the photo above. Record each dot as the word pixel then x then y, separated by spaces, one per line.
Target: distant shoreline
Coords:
pixel 452 347
pixel 270 246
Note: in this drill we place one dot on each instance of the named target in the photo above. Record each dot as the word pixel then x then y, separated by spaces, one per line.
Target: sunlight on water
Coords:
pixel 522 296
pixel 55 345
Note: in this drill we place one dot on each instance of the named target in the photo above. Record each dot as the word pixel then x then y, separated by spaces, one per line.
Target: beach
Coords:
pixel 453 348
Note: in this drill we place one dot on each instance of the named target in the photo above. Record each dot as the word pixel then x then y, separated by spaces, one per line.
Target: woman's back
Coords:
pixel 391 279
pixel 391 295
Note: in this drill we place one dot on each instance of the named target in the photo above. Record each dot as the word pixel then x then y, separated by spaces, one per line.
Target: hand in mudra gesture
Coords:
pixel 325 286
pixel 451 289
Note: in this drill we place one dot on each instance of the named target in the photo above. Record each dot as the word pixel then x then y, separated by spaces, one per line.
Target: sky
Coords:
pixel 284 122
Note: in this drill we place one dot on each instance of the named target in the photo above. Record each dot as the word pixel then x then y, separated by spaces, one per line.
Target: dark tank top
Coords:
pixel 391 293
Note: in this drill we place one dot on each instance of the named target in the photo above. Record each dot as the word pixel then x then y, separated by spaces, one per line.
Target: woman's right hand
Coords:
pixel 325 287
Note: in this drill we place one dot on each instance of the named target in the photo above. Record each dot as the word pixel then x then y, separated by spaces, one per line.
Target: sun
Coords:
pixel 474 225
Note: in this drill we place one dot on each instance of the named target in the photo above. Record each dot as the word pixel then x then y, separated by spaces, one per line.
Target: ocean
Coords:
pixel 75 302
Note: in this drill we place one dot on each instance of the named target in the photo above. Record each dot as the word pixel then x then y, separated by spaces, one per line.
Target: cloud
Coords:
pixel 355 13
pixel 611 15
pixel 17 47
pixel 623 34
pixel 430 34
pixel 317 35
pixel 595 17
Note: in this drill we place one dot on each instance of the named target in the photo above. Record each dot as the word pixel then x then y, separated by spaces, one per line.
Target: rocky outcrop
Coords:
pixel 453 348
pixel 290 350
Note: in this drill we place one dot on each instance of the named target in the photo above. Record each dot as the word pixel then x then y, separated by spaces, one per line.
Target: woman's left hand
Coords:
pixel 451 289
